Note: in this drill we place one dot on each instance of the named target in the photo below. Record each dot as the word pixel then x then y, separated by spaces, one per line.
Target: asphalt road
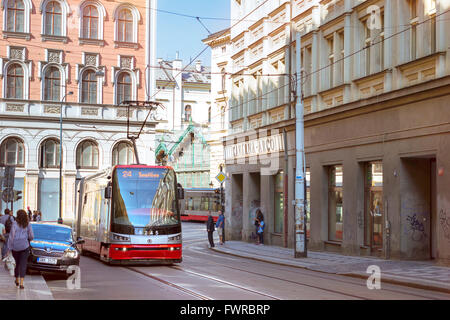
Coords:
pixel 208 275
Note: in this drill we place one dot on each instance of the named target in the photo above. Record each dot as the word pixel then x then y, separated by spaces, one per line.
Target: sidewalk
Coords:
pixel 419 274
pixel 35 287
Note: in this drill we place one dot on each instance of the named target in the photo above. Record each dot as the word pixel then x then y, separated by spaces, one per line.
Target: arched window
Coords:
pixel 12 152
pixel 123 154
pixel 49 154
pixel 187 113
pixel 124 87
pixel 90 22
pixel 52 84
pixel 125 26
pixel 15 16
pixel 87 155
pixel 53 19
pixel 89 87
pixel 14 83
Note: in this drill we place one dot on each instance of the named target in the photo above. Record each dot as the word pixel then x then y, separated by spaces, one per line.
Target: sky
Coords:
pixel 185 35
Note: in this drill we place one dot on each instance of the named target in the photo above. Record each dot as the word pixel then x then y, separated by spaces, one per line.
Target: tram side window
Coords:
pixel 205 204
pixel 196 204
pixel 190 204
pixel 212 203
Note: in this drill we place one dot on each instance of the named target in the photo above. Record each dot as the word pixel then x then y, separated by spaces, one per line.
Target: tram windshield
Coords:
pixel 143 198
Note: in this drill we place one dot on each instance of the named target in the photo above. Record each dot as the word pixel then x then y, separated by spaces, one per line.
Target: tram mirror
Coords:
pixel 108 191
pixel 180 191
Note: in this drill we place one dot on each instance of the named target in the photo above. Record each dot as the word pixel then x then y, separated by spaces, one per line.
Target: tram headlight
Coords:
pixel 72 254
pixel 116 237
pixel 175 238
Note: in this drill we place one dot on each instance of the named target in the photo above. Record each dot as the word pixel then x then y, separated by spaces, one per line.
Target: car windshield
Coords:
pixel 143 198
pixel 52 233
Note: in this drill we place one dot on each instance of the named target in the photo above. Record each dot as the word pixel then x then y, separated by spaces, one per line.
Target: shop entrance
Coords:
pixel 237 196
pixel 418 207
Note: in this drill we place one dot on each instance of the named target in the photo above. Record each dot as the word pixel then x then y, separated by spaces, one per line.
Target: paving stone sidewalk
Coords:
pixel 35 287
pixel 421 274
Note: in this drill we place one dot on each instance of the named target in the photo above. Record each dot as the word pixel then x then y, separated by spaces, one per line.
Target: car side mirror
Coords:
pixel 80 240
pixel 108 191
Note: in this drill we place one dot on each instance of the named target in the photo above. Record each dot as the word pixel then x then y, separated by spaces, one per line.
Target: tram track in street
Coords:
pixel 196 294
pixel 323 276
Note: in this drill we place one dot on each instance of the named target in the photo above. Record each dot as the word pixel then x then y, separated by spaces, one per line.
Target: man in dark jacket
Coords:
pixel 210 227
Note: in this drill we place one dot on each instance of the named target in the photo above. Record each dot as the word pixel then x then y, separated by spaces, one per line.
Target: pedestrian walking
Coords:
pixel 7 220
pixel 220 225
pixel 19 244
pixel 210 228
pixel 30 214
pixel 39 216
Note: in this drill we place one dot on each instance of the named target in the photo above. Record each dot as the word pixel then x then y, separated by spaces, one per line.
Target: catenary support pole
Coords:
pixel 300 243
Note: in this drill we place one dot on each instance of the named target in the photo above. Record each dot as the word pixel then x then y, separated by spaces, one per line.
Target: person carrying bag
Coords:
pixel 19 244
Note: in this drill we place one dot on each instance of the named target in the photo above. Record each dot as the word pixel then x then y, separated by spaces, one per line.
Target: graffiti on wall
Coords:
pixel 416 228
pixel 444 222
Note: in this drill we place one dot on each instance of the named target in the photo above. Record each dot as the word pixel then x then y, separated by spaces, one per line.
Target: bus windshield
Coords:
pixel 143 198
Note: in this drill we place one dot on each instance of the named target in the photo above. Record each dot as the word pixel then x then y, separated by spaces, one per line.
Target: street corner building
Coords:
pixel 377 106
pixel 77 60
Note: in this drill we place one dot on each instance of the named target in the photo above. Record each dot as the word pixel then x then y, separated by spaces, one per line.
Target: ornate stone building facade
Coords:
pixel 80 59
pixel 375 82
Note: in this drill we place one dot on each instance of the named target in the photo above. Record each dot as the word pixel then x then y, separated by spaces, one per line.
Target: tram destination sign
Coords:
pixel 261 146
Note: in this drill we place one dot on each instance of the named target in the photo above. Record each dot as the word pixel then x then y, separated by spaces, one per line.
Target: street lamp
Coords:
pixel 60 220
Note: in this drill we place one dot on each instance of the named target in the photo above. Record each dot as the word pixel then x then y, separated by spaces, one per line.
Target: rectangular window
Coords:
pixel 413 34
pixel 330 42
pixel 335 203
pixel 367 45
pixel 48 198
pixel 373 224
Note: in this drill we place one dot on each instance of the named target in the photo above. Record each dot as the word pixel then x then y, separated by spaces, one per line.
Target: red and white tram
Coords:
pixel 131 214
pixel 198 202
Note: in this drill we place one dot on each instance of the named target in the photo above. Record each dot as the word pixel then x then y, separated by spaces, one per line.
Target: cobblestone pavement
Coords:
pixel 413 273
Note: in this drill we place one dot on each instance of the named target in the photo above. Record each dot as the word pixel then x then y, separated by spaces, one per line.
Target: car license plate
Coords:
pixel 47 260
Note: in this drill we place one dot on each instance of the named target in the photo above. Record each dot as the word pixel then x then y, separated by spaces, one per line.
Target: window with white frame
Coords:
pixel 92 15
pixel 16 17
pixel 126 19
pixel 52 84
pixel 49 153
pixel 87 155
pixel 54 19
pixel 89 86
pixel 413 21
pixel 124 87
pixel 15 81
pixel 12 152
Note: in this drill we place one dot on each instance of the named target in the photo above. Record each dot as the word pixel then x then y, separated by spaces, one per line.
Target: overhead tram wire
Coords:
pixel 300 78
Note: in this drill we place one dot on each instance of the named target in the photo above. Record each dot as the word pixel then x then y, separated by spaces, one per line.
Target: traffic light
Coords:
pixel 17 195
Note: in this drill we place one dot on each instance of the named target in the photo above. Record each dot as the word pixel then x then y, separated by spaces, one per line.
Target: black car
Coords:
pixel 53 247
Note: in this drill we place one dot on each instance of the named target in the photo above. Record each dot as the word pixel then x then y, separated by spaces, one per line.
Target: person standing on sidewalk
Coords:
pixel 7 221
pixel 210 228
pixel 2 236
pixel 19 244
pixel 262 224
pixel 220 225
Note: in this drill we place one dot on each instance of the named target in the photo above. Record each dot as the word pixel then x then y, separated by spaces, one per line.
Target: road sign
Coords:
pixel 221 177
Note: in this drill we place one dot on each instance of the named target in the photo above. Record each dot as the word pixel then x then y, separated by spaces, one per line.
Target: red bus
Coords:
pixel 198 202
pixel 131 214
